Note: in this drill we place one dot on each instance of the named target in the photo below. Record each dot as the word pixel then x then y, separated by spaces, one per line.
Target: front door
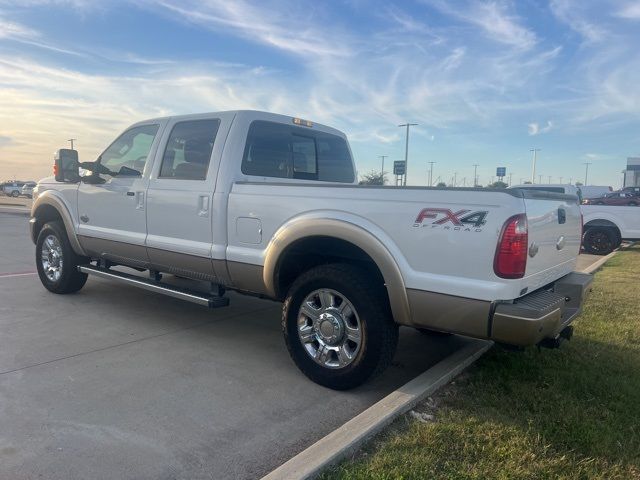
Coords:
pixel 112 201
pixel 180 195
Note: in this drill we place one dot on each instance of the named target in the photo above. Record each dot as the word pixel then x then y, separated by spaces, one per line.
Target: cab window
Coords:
pixel 286 151
pixel 188 151
pixel 127 155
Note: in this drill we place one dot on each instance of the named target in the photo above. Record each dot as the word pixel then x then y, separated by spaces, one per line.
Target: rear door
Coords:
pixel 179 197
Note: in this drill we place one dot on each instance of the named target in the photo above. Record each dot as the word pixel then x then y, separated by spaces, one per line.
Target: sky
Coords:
pixel 486 81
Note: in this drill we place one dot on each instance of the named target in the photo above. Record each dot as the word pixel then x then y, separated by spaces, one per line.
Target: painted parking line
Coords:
pixel 16 274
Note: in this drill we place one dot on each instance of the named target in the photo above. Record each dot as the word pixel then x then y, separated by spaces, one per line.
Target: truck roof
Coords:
pixel 258 114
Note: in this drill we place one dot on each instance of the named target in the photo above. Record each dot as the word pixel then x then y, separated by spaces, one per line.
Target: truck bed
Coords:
pixel 443 240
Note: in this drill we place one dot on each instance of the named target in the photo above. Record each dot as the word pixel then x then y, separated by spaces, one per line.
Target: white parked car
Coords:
pixel 27 189
pixel 12 189
pixel 269 205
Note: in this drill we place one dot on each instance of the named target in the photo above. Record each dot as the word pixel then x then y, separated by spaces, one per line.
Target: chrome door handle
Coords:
pixel 131 194
pixel 203 205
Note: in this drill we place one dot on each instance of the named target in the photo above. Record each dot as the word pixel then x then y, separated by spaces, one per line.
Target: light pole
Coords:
pixel 549 179
pixel 72 140
pixel 586 172
pixel 406 150
pixel 539 178
pixel 475 174
pixel 533 168
pixel 561 180
pixel 382 168
pixel 455 178
pixel 510 175
pixel 431 173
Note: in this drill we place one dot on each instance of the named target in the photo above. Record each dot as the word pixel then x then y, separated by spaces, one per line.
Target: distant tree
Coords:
pixel 579 184
pixel 497 184
pixel 441 184
pixel 374 178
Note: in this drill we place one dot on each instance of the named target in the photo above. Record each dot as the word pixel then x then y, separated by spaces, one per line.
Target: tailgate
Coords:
pixel 555 227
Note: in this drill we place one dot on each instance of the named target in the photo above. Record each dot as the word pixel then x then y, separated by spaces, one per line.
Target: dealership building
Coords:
pixel 632 173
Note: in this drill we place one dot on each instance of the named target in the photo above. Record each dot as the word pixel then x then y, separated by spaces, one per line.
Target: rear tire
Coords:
pixel 15 193
pixel 338 327
pixel 599 240
pixel 56 261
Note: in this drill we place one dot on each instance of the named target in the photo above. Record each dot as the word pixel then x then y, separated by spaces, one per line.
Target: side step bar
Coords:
pixel 211 301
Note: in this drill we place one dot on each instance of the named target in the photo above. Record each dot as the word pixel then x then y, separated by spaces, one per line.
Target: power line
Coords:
pixel 406 150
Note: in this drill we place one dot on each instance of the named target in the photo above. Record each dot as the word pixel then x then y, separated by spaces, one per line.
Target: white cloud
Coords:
pixel 534 128
pixel 493 18
pixel 571 13
pixel 13 30
pixel 630 11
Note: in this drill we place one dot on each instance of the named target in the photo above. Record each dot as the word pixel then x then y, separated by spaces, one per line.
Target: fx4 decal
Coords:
pixel 461 220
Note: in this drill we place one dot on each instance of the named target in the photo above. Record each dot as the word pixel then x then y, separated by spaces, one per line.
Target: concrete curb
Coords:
pixel 350 436
pixel 598 263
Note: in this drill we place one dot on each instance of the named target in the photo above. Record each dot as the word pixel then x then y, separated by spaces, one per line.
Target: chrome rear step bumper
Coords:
pixel 210 301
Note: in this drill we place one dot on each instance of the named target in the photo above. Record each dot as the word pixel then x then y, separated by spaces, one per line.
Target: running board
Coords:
pixel 211 301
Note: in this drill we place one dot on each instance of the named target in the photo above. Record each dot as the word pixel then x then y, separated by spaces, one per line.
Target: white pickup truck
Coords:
pixel 269 205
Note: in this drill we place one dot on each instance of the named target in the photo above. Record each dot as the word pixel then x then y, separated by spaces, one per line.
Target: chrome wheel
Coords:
pixel 329 328
pixel 51 258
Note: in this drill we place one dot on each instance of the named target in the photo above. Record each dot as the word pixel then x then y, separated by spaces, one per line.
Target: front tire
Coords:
pixel 56 261
pixel 338 327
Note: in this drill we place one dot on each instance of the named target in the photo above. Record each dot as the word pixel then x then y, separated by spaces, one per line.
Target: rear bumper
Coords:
pixel 542 314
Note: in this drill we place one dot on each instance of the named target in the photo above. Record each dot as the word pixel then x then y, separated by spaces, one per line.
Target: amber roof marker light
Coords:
pixel 302 123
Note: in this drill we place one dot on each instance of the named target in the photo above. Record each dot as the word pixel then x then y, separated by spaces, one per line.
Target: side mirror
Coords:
pixel 66 167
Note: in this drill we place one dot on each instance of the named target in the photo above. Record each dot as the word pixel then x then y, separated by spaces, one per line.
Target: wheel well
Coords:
pixel 44 214
pixel 313 251
pixel 605 224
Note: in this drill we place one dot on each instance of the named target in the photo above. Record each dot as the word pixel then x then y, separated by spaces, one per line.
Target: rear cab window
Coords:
pixel 286 151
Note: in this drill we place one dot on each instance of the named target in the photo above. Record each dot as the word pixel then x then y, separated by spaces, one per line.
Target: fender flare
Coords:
pixel 55 200
pixel 301 228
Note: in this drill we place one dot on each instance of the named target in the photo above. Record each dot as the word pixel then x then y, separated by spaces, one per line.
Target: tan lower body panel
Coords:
pixel 191 266
pixel 117 252
pixel 247 277
pixel 447 313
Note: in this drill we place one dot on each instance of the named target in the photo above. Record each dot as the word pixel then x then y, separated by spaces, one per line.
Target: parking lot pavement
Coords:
pixel 115 382
pixel 15 205
pixel 585 260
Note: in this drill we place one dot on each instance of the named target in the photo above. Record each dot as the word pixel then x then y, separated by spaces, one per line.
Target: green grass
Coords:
pixel 567 413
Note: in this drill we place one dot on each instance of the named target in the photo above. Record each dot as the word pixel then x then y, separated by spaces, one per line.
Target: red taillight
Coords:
pixel 511 255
